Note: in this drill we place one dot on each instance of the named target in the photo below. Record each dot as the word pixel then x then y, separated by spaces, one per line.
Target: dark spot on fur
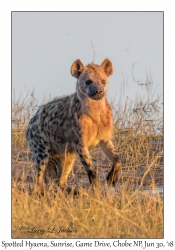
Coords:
pixel 49 150
pixel 45 155
pixel 76 141
pixel 38 161
pixel 31 135
pixel 61 116
pixel 76 100
pixel 41 146
pixel 61 124
pixel 41 156
pixel 40 150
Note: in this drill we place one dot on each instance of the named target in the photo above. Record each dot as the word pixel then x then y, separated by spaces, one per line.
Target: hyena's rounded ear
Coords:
pixel 107 67
pixel 77 68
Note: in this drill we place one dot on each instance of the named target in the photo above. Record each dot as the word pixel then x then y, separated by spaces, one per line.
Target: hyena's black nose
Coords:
pixel 99 92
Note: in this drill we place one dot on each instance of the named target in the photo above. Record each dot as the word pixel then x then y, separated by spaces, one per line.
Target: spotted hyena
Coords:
pixel 68 126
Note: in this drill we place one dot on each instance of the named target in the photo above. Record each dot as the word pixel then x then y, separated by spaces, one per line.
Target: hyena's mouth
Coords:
pixel 96 96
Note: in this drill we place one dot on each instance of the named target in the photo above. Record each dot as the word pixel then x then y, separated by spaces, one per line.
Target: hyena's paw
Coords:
pixel 92 177
pixel 68 190
pixel 112 176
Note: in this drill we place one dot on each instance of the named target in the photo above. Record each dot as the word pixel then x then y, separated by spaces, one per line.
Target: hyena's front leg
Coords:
pixel 109 150
pixel 85 158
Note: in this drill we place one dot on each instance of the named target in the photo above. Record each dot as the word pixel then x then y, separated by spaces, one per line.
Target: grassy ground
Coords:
pixel 134 209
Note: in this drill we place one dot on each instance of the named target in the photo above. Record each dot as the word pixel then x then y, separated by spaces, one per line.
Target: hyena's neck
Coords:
pixel 93 108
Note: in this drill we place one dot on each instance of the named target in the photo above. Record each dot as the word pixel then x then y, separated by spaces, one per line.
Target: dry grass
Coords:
pixel 134 209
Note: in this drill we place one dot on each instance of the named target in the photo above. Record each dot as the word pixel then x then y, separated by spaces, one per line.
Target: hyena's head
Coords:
pixel 92 80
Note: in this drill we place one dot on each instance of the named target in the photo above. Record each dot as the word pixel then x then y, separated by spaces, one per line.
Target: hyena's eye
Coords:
pixel 88 82
pixel 103 81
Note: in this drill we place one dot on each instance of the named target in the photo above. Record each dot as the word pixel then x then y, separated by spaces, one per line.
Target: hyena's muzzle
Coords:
pixel 96 92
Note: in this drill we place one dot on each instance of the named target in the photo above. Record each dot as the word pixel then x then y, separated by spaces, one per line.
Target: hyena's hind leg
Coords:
pixel 59 168
pixel 41 153
pixel 40 167
pixel 53 170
